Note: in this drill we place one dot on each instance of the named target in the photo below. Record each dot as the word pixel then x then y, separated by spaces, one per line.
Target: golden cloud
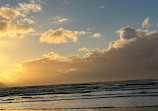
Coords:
pixel 11 25
pixel 58 36
pixel 83 49
pixel 146 23
pixel 27 20
pixel 59 19
pixel 63 20
pixel 9 13
pixel 55 56
pixel 96 35
pixel 21 11
pixel 135 59
pixel 11 30
pixel 27 7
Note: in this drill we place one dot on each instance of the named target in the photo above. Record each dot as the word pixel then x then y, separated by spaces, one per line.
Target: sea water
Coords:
pixel 117 94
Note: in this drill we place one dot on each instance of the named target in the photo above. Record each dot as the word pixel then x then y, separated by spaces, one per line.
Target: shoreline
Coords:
pixel 100 109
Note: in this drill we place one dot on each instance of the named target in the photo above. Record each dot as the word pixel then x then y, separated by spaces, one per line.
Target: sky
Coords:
pixel 72 41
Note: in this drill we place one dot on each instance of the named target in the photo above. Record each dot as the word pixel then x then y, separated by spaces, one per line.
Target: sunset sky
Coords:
pixel 71 41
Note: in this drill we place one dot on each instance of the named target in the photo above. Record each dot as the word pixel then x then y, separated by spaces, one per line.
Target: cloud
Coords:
pixel 128 34
pixel 146 23
pixel 59 19
pixel 101 7
pixel 81 32
pixel 84 49
pixel 22 10
pixel 9 13
pixel 36 33
pixel 96 35
pixel 27 20
pixel 63 20
pixel 133 56
pixel 66 2
pixel 11 30
pixel 13 17
pixel 54 56
pixel 27 7
pixel 60 36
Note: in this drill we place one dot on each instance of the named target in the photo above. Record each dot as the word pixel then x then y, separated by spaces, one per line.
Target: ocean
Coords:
pixel 131 94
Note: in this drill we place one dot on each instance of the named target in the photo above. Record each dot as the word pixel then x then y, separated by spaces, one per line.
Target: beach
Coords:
pixel 105 109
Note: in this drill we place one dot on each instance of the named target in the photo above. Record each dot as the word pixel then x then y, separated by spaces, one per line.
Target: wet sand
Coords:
pixel 127 109
pixel 102 109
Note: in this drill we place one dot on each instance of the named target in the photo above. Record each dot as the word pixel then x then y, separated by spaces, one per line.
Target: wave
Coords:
pixel 141 93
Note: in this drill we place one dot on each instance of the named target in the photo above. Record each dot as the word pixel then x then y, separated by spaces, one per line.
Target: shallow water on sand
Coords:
pixel 114 96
